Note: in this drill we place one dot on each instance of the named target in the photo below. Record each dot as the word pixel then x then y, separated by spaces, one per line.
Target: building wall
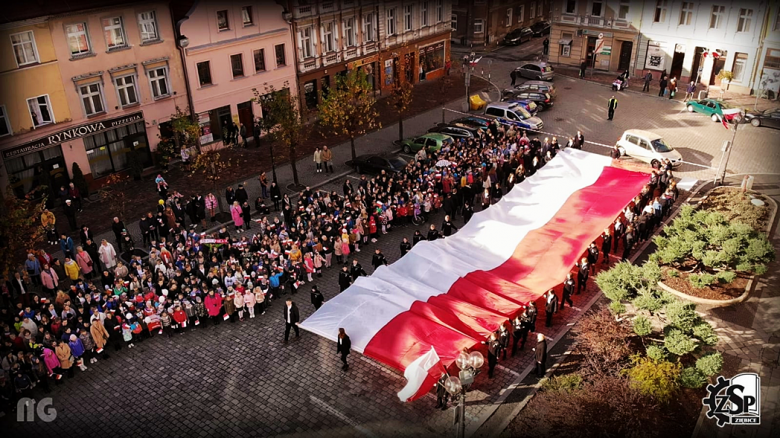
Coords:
pixel 102 66
pixel 208 43
pixel 766 76
pixel 495 16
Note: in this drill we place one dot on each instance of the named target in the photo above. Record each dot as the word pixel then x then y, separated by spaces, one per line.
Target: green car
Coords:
pixel 433 142
pixel 708 107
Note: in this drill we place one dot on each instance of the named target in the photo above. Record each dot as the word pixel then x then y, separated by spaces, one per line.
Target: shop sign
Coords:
pixel 72 134
pixel 656 57
pixel 204 121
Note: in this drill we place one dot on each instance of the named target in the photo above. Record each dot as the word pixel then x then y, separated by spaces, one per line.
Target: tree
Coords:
pixel 284 121
pixel 20 228
pixel 350 107
pixel 401 94
pixel 212 166
pixel 79 181
pixel 186 134
pixel 114 193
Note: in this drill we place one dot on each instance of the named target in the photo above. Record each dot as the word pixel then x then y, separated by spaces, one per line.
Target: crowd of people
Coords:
pixel 61 315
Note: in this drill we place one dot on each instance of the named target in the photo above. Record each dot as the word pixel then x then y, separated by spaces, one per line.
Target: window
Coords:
pixel 571 7
pixel 772 59
pixel 246 15
pixel 328 39
pixel 439 11
pixel 716 18
pixel 114 33
pixel 479 25
pixel 391 21
pixel 368 28
pixel 24 48
pixel 660 11
pixel 259 56
pixel 532 10
pixel 407 18
pixel 281 60
pixel 565 50
pixel 5 124
pixel 158 78
pixel 349 32
pixel 147 22
pixel 454 22
pixel 777 21
pixel 740 62
pixel 204 73
pixel 237 65
pixel 78 42
pixel 596 8
pixel 40 110
pixel 686 13
pixel 745 19
pixel 509 17
pixel 307 45
pixel 222 20
pixel 424 13
pixel 520 14
pixel 125 87
pixel 623 8
pixel 92 99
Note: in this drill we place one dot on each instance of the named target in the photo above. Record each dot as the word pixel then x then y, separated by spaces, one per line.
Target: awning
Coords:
pixel 565 42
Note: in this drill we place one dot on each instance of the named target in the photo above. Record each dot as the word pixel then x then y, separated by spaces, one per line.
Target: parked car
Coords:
pixel 540 28
pixel 542 86
pixel 529 105
pixel 455 130
pixel 770 118
pixel 542 100
pixel 518 36
pixel 474 121
pixel 431 142
pixel 537 70
pixel 648 147
pixel 373 163
pixel 708 107
pixel 513 114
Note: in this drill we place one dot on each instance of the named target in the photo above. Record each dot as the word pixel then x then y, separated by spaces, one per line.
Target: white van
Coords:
pixel 648 147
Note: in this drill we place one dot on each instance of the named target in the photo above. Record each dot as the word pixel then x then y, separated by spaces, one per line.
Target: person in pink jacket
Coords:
pixel 211 205
pixel 52 363
pixel 238 219
pixel 308 263
pixel 49 279
pixel 213 304
pixel 250 300
pixel 85 262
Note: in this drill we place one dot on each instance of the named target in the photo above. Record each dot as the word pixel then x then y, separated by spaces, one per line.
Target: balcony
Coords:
pixel 369 47
pixel 330 58
pixel 590 21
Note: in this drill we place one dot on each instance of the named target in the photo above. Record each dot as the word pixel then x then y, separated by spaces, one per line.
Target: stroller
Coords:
pixel 619 84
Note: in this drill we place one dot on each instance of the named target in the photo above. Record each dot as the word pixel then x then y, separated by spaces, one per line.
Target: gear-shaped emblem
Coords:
pixel 712 401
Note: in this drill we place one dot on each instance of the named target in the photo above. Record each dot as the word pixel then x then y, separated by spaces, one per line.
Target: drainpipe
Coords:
pixel 181 43
pixel 639 40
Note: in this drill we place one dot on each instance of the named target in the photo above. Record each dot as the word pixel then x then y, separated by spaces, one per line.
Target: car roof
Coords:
pixel 642 133
pixel 436 136
pixel 539 63
pixel 546 84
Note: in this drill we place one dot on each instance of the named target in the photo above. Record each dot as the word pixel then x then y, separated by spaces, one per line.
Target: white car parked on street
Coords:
pixel 648 147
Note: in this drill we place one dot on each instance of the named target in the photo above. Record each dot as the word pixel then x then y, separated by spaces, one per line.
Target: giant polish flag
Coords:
pixel 451 293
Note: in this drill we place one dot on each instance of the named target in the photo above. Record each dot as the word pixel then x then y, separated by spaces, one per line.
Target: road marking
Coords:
pixel 353 177
pixel 341 416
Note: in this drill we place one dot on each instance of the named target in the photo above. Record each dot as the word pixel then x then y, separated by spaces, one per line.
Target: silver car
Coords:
pixel 540 86
pixel 536 70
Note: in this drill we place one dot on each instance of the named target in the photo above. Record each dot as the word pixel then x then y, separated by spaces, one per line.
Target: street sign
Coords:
pixel 601 35
pixel 599 46
pixel 607 50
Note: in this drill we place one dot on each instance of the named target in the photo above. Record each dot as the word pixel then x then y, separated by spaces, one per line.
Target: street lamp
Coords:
pixel 469 365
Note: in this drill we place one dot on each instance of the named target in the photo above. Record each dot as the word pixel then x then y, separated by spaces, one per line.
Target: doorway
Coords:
pixel 625 55
pixel 591 48
pixel 697 64
pixel 717 66
pixel 246 117
pixel 677 62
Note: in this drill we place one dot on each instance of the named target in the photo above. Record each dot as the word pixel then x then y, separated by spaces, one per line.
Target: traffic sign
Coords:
pixel 599 46
pixel 606 50
pixel 601 35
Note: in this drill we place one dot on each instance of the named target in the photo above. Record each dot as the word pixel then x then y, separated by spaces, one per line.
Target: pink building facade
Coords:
pixel 233 48
pixel 123 80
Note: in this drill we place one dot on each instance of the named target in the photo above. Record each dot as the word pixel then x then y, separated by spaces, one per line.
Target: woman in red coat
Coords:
pixel 213 304
pixel 179 318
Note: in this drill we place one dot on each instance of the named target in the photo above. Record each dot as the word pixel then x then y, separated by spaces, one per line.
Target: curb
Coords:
pixel 751 282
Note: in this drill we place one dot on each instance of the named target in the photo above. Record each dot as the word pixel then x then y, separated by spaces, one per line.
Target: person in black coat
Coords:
pixel 582 274
pixel 316 297
pixel 343 346
pixel 405 246
pixel 85 234
pixel 593 257
pixel 417 237
pixel 550 306
pixel 433 233
pixel 579 140
pixel 493 350
pixel 503 340
pixel 541 355
pixel 230 195
pixel 521 325
pixel 568 291
pixel 447 226
pixel 345 278
pixel 532 313
pixel 114 330
pixel 378 259
pixel 442 395
pixel 246 214
pixel 291 318
pixel 241 195
pixel 606 244
pixel 276 195
pixel 356 270
pixel 70 213
pixel 468 212
pixel 117 226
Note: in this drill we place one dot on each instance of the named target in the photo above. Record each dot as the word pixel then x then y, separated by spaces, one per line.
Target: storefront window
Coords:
pixel 25 171
pixel 431 58
pixel 107 151
pixel 310 93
